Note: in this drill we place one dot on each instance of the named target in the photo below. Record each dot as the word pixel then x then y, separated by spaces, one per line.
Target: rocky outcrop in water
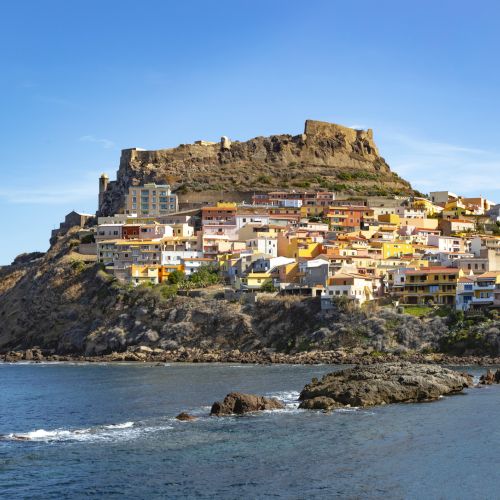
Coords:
pixel 382 384
pixel 237 403
pixel 185 417
pixel 490 377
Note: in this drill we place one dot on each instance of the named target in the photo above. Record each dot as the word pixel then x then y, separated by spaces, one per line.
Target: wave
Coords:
pixel 125 425
pixel 110 432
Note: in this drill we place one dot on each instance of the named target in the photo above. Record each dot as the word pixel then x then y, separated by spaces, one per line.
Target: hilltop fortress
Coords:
pixel 326 156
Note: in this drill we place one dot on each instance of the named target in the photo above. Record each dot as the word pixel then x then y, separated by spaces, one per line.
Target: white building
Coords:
pixel 446 243
pixel 264 245
pixel 108 232
pixel 177 257
pixel 352 286
pixel 442 196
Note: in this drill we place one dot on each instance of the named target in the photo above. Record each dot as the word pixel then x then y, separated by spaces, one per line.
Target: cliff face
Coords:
pixel 326 156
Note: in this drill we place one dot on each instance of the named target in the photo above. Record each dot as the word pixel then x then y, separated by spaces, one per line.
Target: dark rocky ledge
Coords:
pixel 265 356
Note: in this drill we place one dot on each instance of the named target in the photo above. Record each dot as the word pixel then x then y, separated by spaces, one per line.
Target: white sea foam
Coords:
pixel 110 432
pixel 289 398
pixel 125 425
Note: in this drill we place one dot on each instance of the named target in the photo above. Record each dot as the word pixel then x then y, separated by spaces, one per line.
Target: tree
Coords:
pixel 268 287
pixel 176 277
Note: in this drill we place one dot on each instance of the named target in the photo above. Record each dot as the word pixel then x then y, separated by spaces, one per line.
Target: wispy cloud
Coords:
pixel 105 143
pixel 50 195
pixel 432 166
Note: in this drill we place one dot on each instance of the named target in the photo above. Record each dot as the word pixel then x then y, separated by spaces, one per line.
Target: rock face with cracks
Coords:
pixel 382 384
pixel 326 156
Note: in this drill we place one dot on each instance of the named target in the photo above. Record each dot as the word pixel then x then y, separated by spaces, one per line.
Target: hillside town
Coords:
pixel 442 250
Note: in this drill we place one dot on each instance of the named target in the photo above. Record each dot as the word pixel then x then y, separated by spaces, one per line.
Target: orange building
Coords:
pixel 348 218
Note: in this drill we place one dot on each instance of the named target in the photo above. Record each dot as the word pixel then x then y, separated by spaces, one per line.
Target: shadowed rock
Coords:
pixel 382 384
pixel 237 403
pixel 185 417
pixel 490 377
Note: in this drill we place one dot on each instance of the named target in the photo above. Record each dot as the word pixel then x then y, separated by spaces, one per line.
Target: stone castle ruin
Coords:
pixel 326 156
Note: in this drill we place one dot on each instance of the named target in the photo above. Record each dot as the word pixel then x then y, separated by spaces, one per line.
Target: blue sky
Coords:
pixel 81 80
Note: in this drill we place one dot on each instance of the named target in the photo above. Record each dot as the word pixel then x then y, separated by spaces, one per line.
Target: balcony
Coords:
pixel 482 300
pixel 485 286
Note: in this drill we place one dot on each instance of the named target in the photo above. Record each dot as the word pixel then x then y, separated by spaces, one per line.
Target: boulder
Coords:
pixel 185 417
pixel 381 384
pixel 236 403
pixel 142 349
pixel 490 377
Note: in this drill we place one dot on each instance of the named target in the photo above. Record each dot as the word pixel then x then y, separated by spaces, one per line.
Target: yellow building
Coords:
pixel 389 218
pixel 427 205
pixel 298 247
pixel 396 249
pixel 253 281
pixel 436 284
pixel 154 274
pixel 144 274
pixel 312 210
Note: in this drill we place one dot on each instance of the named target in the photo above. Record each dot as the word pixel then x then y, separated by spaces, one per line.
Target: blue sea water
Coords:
pixel 108 430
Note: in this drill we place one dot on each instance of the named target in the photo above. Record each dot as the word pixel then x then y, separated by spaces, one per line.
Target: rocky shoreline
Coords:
pixel 146 354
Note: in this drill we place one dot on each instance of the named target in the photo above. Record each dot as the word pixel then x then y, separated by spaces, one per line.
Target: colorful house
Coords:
pixel 436 284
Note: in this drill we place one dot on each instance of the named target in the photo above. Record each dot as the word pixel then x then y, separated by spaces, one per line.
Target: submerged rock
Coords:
pixel 185 417
pixel 382 384
pixel 238 403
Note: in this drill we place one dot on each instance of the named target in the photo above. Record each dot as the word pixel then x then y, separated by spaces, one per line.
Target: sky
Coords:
pixel 81 80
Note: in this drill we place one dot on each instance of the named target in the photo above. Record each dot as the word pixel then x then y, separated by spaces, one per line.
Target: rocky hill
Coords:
pixel 325 157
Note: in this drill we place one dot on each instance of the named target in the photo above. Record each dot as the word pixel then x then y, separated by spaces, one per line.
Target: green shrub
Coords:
pixel 78 265
pixel 264 179
pixel 89 238
pixel 268 287
pixel 175 277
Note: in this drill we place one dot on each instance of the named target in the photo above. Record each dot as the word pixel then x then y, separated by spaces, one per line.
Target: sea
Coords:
pixel 109 431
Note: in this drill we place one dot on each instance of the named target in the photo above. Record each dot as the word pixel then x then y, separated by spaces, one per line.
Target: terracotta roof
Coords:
pixel 489 274
pixel 466 279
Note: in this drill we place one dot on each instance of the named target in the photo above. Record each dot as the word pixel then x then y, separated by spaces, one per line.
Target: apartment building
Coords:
pixel 151 200
pixel 436 284
pixel 348 218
